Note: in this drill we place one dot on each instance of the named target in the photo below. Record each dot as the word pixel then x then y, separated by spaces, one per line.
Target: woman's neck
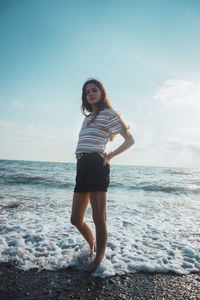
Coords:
pixel 94 109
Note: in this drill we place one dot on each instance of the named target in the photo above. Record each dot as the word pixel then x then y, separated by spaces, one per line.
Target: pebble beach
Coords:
pixel 71 283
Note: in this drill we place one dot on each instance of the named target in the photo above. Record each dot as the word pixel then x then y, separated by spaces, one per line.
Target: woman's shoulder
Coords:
pixel 108 111
pixel 111 114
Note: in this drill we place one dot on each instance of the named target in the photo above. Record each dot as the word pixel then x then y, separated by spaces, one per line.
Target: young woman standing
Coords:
pixel 92 178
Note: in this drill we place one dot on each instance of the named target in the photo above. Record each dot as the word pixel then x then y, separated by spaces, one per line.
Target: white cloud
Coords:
pixel 18 104
pixel 30 143
pixel 9 125
pixel 180 93
pixel 18 130
pixel 177 148
pixel 186 139
pixel 27 132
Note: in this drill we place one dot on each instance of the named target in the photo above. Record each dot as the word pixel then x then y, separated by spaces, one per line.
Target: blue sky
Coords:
pixel 146 53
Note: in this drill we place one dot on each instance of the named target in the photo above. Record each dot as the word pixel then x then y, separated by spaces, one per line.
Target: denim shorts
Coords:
pixel 91 173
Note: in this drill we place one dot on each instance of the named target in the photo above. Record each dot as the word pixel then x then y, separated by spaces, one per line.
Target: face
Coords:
pixel 93 93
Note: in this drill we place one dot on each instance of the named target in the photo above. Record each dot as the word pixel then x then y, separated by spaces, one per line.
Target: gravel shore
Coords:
pixel 71 283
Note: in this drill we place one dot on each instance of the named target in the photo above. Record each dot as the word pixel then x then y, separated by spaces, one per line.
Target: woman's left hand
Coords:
pixel 107 158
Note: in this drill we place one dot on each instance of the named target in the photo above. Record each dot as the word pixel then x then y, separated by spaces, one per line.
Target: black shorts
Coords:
pixel 92 175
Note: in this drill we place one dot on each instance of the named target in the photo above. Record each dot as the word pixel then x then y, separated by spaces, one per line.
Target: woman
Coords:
pixel 92 179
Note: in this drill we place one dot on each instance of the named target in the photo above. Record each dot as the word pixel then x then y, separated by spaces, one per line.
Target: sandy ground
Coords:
pixel 71 283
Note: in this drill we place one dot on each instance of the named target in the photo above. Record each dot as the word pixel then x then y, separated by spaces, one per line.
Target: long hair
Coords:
pixel 103 103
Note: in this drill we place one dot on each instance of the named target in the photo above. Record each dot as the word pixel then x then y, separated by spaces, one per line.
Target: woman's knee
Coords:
pixel 99 220
pixel 76 221
pixel 79 205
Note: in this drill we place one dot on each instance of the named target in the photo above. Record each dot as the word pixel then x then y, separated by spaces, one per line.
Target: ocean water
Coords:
pixel 153 217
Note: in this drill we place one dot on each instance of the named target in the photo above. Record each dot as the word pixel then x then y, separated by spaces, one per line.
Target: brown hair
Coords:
pixel 103 103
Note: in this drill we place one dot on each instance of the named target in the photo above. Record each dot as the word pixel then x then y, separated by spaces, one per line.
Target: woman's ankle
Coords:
pixel 98 259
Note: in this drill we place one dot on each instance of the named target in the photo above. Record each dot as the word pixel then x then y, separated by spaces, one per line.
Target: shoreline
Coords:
pixel 72 283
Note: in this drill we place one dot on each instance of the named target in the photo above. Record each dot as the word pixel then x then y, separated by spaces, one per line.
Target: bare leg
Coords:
pixel 98 203
pixel 80 203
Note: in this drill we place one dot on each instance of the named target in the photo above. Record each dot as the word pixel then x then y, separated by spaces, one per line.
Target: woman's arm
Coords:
pixel 128 142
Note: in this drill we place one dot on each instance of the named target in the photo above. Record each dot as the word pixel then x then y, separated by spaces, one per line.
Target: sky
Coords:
pixel 146 54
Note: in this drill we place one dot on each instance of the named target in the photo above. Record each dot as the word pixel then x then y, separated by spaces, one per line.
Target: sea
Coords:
pixel 153 219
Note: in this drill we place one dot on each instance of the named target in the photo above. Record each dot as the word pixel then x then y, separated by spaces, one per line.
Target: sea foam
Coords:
pixel 148 229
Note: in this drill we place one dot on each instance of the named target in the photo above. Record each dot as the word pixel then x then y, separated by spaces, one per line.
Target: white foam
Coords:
pixel 145 232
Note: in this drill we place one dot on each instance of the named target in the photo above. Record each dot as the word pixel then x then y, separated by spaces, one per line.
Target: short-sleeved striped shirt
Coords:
pixel 94 135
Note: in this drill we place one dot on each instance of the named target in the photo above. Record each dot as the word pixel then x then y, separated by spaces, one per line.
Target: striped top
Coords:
pixel 94 136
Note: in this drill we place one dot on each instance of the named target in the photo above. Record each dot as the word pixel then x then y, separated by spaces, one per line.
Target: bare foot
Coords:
pixel 91 266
